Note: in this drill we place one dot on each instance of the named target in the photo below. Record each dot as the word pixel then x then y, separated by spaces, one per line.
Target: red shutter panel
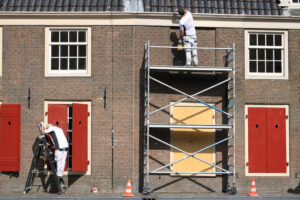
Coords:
pixel 10 127
pixel 257 140
pixel 276 148
pixel 79 138
pixel 58 116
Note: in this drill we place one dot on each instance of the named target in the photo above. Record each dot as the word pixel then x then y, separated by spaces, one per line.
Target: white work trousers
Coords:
pixel 60 158
pixel 190 41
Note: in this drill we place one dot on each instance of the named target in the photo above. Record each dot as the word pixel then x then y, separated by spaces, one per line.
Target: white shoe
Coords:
pixel 196 63
pixel 188 64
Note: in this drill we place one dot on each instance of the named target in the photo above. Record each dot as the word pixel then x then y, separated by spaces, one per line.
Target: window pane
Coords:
pixel 64 64
pixel 54 64
pixel 73 36
pixel 277 54
pixel 70 125
pixel 261 40
pixel 70 150
pixel 82 63
pixel 64 50
pixel 270 67
pixel 270 40
pixel 261 67
pixel 73 50
pixel 70 135
pixel 253 40
pixel 278 41
pixel 261 54
pixel 253 66
pixel 73 63
pixel 278 68
pixel 252 54
pixel 54 50
pixel 54 36
pixel 70 111
pixel 82 50
pixel 64 36
pixel 82 37
pixel 269 54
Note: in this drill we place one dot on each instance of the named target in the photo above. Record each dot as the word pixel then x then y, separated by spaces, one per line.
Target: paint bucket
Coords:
pixel 94 189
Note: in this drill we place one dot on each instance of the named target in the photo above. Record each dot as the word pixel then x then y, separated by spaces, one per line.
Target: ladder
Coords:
pixel 41 148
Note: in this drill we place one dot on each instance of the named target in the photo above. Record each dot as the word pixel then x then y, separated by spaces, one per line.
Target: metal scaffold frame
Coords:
pixel 229 69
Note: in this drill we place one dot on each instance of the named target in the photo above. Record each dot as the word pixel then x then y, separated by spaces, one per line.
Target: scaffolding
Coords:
pixel 229 70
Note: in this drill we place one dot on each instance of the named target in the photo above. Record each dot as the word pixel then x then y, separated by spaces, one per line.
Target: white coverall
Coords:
pixel 62 151
pixel 186 24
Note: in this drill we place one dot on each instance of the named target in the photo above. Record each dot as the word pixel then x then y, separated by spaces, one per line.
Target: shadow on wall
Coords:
pixel 11 174
pixel 294 191
pixel 178 55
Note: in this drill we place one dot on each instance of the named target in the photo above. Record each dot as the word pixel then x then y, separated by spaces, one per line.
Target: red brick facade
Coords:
pixel 117 63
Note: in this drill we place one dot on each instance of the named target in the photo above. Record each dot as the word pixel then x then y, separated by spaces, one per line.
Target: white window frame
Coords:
pixel 89 104
pixel 67 73
pixel 284 74
pixel 286 107
pixel 1 46
pixel 213 130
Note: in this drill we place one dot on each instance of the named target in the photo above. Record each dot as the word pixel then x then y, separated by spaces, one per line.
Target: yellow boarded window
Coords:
pixel 191 140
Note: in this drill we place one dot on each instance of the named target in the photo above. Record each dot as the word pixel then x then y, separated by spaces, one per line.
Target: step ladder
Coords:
pixel 41 148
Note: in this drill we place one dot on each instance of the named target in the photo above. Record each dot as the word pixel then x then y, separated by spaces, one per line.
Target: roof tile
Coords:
pixel 249 7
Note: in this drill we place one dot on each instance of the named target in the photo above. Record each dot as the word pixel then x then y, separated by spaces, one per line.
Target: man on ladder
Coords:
pixel 61 147
pixel 43 148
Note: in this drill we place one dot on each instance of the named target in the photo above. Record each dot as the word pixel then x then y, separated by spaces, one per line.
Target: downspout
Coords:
pixel 112 101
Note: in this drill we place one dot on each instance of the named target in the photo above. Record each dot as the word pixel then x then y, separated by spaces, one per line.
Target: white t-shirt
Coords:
pixel 187 22
pixel 61 138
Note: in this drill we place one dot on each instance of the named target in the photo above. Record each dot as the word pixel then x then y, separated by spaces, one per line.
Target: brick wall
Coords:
pixel 117 66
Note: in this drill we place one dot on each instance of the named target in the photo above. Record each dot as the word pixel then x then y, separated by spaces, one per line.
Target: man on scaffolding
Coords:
pixel 188 35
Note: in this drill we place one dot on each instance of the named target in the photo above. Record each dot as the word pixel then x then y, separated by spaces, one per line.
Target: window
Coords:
pixel 266 55
pixel 0 51
pixel 296 1
pixel 267 142
pixel 75 120
pixel 192 140
pixel 68 52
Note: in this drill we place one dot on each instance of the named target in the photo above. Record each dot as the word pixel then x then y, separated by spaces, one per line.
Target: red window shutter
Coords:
pixel 257 140
pixel 10 127
pixel 58 116
pixel 276 148
pixel 79 138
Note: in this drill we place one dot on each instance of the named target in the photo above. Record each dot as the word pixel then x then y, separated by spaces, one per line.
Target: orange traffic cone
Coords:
pixel 128 192
pixel 253 189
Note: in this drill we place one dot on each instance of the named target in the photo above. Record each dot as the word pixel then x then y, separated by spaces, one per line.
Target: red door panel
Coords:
pixel 79 138
pixel 58 116
pixel 10 127
pixel 257 140
pixel 276 149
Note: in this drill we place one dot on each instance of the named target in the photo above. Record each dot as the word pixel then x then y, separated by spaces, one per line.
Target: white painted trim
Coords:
pixel 287 141
pixel 284 75
pixel 1 51
pixel 67 74
pixel 89 103
pixel 147 19
pixel 171 137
